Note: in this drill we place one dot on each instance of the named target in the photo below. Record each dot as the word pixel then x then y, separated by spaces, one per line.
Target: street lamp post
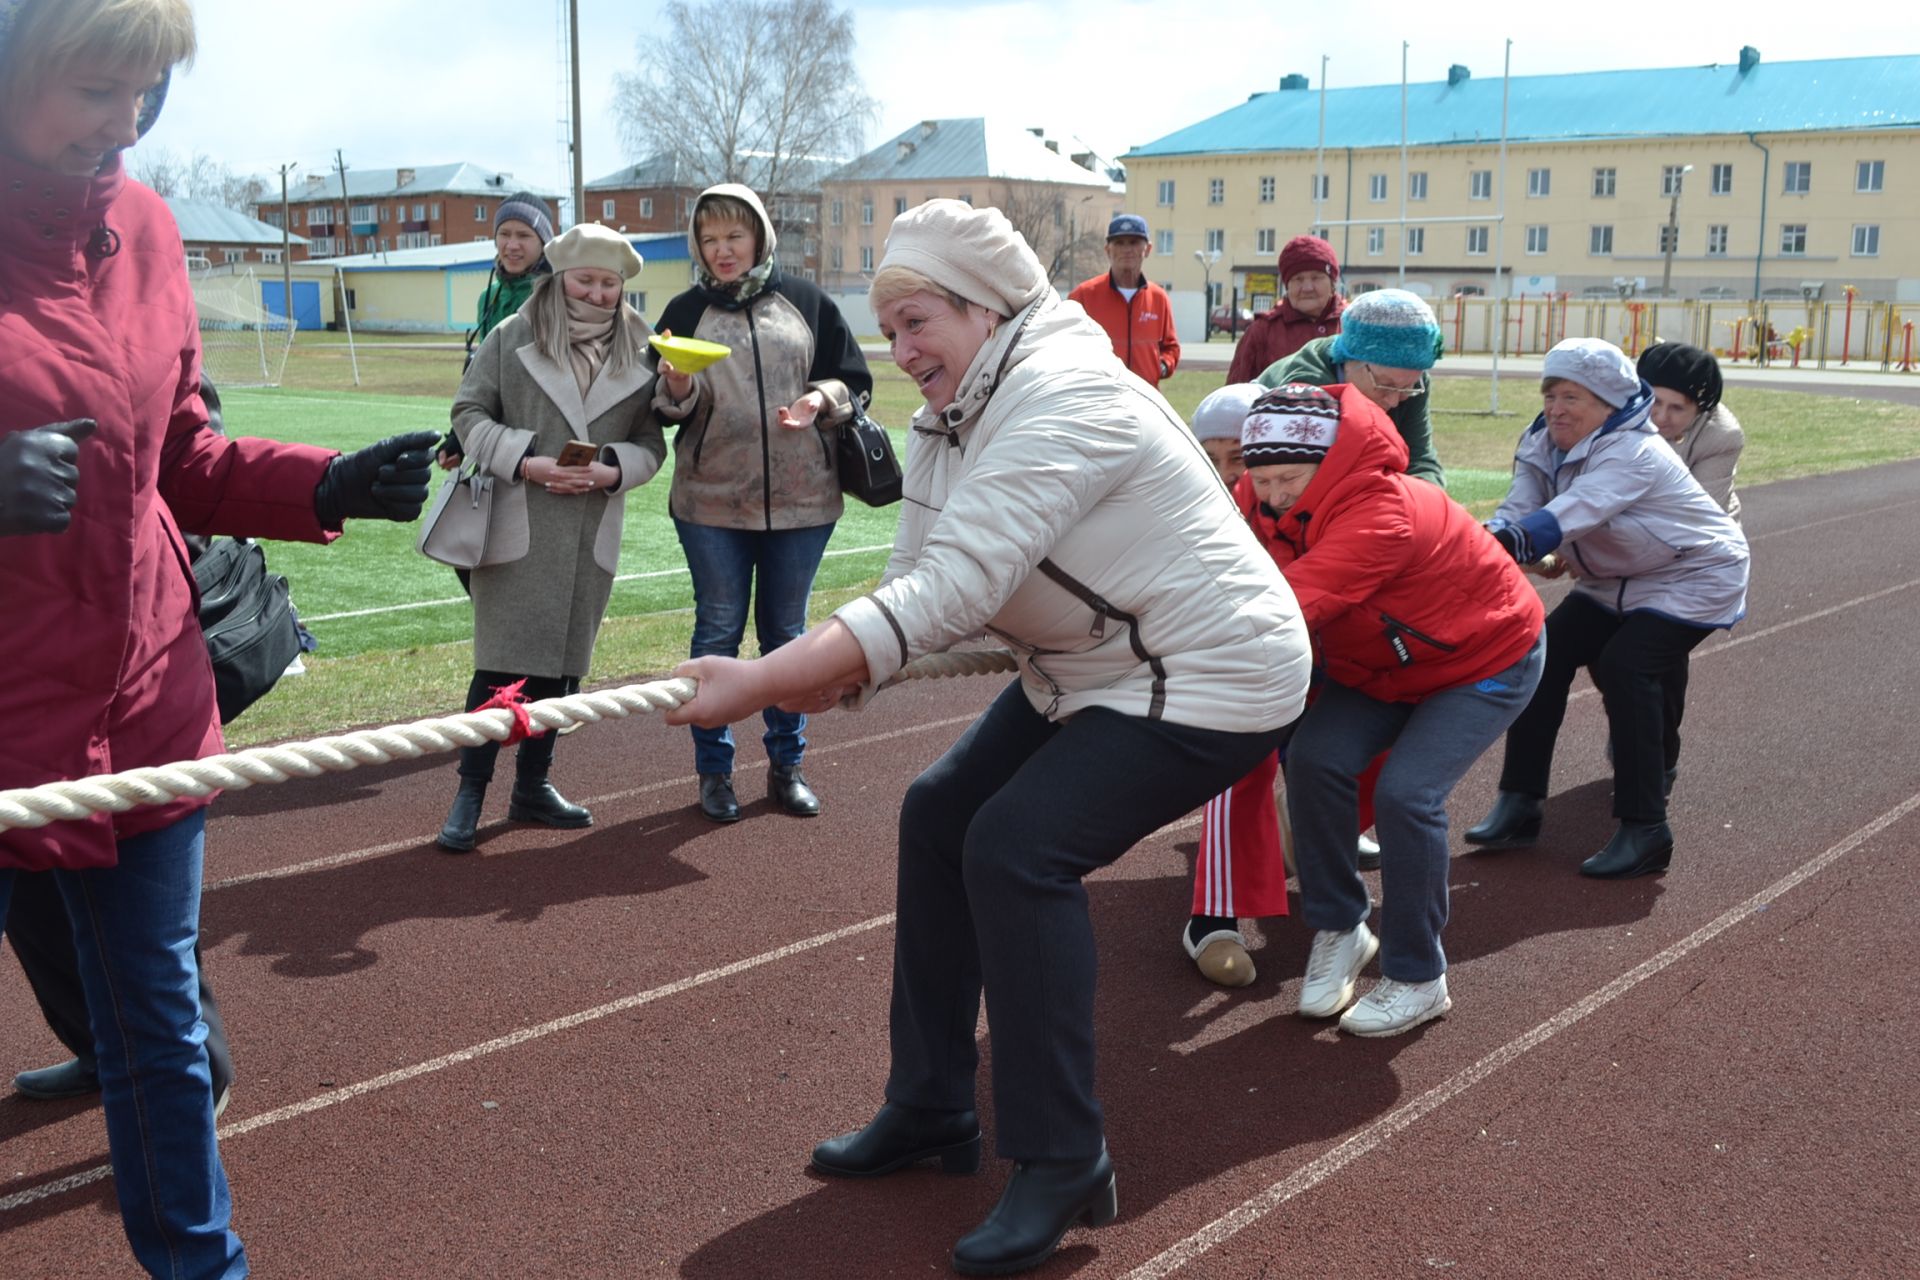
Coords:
pixel 1673 230
pixel 1206 258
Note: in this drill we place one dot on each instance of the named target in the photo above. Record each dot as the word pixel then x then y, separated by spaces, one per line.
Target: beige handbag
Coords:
pixel 459 529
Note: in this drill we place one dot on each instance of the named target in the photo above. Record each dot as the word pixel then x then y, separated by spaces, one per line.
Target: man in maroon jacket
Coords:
pixel 1135 312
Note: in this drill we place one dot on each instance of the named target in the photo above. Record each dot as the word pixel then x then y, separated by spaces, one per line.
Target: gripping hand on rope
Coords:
pixel 384 481
pixel 40 477
pixel 809 674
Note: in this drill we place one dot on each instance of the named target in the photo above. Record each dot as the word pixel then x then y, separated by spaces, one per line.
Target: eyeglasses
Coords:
pixel 1389 389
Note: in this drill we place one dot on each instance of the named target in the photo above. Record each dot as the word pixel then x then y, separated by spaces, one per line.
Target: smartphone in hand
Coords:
pixel 577 453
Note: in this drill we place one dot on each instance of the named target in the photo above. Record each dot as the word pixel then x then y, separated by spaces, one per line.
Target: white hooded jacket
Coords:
pixel 1061 505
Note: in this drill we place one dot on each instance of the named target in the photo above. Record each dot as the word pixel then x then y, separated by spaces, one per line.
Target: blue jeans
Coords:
pixel 134 928
pixel 723 564
pixel 1434 742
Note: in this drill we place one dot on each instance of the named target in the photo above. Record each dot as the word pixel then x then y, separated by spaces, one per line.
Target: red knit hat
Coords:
pixel 1307 253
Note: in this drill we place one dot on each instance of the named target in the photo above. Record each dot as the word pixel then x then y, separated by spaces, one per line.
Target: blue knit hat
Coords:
pixel 1388 327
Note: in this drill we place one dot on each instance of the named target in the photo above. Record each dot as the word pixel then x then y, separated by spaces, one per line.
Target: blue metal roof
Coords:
pixel 202 222
pixel 966 147
pixel 1780 97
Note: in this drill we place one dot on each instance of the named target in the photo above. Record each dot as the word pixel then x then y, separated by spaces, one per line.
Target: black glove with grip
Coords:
pixel 384 481
pixel 39 475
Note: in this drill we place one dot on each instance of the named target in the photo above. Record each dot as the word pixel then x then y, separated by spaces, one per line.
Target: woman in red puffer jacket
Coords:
pixel 1428 641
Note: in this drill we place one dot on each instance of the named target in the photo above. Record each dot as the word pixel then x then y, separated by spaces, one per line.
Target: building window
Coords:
pixel 1722 180
pixel 1166 193
pixel 1717 241
pixel 476 240
pixel 1793 239
pixel 1376 187
pixel 360 213
pixel 1669 239
pixel 866 211
pixel 835 212
pixel 386 215
pixel 1266 189
pixel 1416 241
pixel 479 213
pixel 1322 187
pixel 1216 190
pixel 1217 293
pixel 1263 240
pixel 1539 182
pixel 1671 176
pixel 435 215
pixel 1476 242
pixel 646 206
pixel 1866 242
pixel 1868 176
pixel 1599 241
pixel 1376 239
pixel 966 198
pixel 1417 186
pixel 899 205
pixel 638 301
pixel 866 257
pixel 273 255
pixel 1536 239
pixel 838 258
pixel 271 217
pixel 1603 182
pixel 1216 240
pixel 606 208
pixel 1163 242
pixel 1799 177
pixel 1480 184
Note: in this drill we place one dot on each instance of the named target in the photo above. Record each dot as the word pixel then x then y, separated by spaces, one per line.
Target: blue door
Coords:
pixel 306 302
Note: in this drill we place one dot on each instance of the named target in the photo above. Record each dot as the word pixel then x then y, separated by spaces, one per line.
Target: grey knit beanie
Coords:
pixel 1221 415
pixel 524 206
pixel 974 252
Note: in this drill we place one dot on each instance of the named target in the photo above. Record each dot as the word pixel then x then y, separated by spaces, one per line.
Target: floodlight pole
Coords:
pixel 1320 154
pixel 1673 229
pixel 286 249
pixel 1403 164
pixel 573 67
pixel 1499 231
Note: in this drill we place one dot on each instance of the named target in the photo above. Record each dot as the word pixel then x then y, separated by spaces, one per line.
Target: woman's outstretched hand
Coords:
pixel 802 413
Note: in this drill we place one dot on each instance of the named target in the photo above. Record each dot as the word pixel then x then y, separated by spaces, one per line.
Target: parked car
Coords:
pixel 1228 320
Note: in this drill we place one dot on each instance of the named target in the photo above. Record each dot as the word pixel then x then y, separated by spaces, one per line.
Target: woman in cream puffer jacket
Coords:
pixel 1055 501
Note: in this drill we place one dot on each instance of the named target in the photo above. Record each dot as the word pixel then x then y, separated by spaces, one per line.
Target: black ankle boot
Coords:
pixel 899 1136
pixel 457 835
pixel 1636 849
pixel 786 788
pixel 717 800
pixel 535 800
pixel 1513 823
pixel 1042 1200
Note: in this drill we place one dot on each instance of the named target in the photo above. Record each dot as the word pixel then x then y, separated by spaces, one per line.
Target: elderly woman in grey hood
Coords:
pixel 1057 502
pixel 756 488
pixel 1660 567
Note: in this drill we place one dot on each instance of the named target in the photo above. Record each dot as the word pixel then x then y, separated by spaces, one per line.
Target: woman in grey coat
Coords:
pixel 1660 567
pixel 570 368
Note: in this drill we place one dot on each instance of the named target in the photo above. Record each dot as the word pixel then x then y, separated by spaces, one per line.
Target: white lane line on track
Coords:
pixel 1815 524
pixel 484 1049
pixel 397 846
pixel 624 577
pixel 1389 1126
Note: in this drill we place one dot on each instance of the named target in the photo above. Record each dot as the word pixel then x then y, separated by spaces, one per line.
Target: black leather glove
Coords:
pixel 39 470
pixel 384 481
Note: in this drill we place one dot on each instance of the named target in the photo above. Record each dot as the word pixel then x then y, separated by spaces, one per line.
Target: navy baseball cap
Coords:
pixel 1127 224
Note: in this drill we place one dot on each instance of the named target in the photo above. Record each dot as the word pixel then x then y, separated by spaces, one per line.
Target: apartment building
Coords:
pixel 1746 180
pixel 1060 203
pixel 388 209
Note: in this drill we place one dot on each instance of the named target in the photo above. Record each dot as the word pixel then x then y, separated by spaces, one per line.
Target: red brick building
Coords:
pixel 387 209
pixel 657 194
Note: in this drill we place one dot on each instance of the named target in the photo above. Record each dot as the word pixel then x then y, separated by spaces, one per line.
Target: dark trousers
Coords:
pixel 535 759
pixel 995 838
pixel 41 931
pixel 1633 658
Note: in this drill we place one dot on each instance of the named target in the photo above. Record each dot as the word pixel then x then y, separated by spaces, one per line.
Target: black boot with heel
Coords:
pixel 457 836
pixel 1043 1199
pixel 899 1136
pixel 1513 823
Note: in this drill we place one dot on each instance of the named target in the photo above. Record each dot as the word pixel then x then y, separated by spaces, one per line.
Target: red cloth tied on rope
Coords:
pixel 508 697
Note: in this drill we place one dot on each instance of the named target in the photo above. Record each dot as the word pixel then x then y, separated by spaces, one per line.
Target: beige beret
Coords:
pixel 589 244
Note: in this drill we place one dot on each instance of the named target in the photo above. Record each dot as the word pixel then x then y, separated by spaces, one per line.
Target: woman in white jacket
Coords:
pixel 1058 503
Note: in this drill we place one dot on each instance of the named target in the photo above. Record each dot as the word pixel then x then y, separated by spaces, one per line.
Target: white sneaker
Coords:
pixel 1333 965
pixel 1393 1007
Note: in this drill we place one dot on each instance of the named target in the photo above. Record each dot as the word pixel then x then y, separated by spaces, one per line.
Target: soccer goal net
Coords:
pixel 242 343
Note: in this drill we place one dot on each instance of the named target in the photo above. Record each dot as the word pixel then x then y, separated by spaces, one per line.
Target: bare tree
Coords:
pixel 1064 225
pixel 199 177
pixel 759 93
pixel 160 169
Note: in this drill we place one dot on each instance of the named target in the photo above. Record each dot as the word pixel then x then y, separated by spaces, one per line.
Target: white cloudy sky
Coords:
pixel 414 82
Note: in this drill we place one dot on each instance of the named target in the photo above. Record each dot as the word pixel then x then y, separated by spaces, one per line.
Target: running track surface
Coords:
pixel 608 1053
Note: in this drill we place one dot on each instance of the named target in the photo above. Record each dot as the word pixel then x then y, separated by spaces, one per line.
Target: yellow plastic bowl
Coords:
pixel 690 355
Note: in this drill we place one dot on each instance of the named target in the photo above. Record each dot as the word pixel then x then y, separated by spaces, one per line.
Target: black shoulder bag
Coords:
pixel 869 470
pixel 247 616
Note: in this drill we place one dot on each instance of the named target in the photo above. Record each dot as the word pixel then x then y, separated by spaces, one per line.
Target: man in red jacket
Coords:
pixel 1135 312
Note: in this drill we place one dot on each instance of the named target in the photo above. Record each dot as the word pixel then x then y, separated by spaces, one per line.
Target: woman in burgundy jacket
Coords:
pixel 1309 308
pixel 103 448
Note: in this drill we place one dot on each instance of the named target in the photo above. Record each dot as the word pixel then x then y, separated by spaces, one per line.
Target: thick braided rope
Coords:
pixel 235 771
